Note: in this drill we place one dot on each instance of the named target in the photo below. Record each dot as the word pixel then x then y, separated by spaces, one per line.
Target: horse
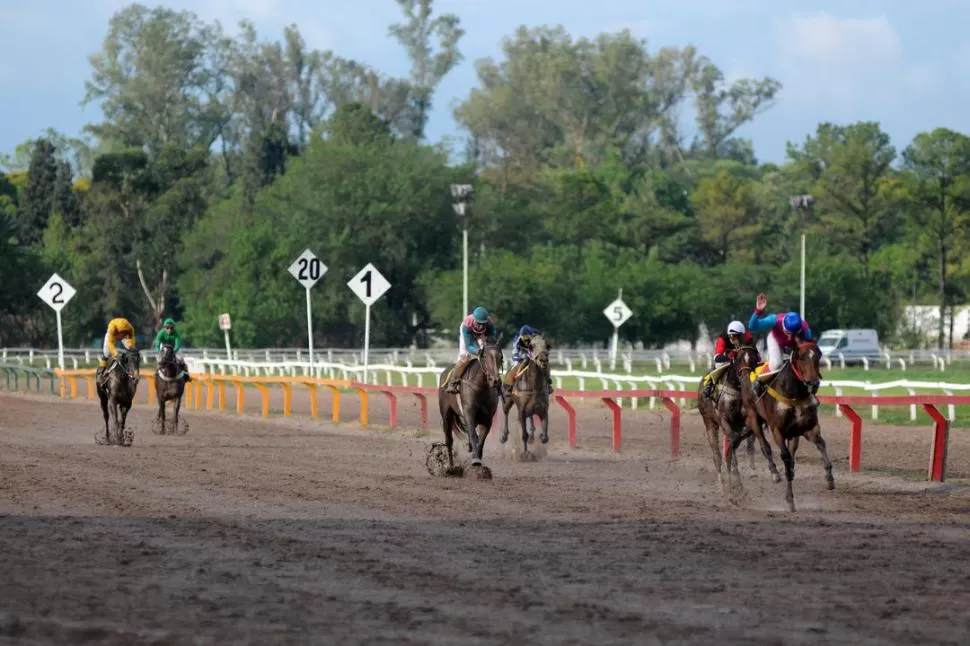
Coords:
pixel 789 409
pixel 116 390
pixel 169 386
pixel 529 395
pixel 470 412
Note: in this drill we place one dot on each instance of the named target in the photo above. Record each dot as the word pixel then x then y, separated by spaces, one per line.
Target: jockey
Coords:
pixel 785 332
pixel 475 328
pixel 168 334
pixel 725 348
pixel 119 329
pixel 520 349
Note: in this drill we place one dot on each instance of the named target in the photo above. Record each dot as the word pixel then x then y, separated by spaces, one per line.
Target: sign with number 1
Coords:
pixel 369 285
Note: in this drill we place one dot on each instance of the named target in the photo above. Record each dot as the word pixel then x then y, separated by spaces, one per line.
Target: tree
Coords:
pixel 427 67
pixel 938 184
pixel 35 207
pixel 725 207
pixel 851 165
pixel 152 79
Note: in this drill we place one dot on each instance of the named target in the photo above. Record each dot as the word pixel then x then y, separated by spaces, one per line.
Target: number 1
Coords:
pixel 366 278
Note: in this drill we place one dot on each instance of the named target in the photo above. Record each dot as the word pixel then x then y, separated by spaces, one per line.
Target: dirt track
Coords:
pixel 251 531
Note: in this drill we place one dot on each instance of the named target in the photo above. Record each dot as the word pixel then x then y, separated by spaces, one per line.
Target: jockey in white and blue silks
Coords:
pixel 521 347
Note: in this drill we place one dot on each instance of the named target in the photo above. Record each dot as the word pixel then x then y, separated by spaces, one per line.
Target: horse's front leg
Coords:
pixel 523 425
pixel 789 461
pixel 815 435
pixel 160 420
pixel 107 417
pixel 473 444
pixel 178 406
pixel 127 435
pixel 506 407
pixel 544 418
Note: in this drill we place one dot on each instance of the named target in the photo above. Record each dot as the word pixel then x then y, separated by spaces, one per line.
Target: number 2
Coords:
pixel 366 278
pixel 312 265
pixel 56 298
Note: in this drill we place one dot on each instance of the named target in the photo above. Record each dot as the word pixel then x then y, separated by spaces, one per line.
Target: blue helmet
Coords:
pixel 792 322
pixel 480 314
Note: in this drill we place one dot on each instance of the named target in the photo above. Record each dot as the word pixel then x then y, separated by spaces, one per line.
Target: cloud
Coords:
pixel 823 39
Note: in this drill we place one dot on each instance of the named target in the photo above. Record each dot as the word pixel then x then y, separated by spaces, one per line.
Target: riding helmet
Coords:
pixel 792 322
pixel 735 327
pixel 480 314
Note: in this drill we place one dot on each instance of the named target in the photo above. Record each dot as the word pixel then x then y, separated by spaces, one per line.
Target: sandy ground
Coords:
pixel 253 531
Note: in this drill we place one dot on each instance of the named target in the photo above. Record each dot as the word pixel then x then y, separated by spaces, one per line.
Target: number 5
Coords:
pixel 618 311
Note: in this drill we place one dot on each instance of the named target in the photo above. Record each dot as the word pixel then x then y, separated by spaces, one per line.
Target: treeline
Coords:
pixel 219 159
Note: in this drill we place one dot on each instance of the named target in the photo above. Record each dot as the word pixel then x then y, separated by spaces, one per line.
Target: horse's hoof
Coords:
pixel 100 439
pixel 775 477
pixel 830 485
pixel 504 437
pixel 527 456
pixel 544 438
pixel 480 472
pixel 476 462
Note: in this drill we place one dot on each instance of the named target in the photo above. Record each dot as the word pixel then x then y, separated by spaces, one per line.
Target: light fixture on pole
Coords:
pixel 802 204
pixel 463 195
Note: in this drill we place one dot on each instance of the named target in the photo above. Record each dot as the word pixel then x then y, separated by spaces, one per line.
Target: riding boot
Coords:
pixel 454 384
pixel 549 388
pixel 709 387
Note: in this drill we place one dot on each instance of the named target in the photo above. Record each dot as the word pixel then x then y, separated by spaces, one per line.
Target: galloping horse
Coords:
pixel 116 390
pixel 790 412
pixel 472 409
pixel 724 412
pixel 169 385
pixel 529 394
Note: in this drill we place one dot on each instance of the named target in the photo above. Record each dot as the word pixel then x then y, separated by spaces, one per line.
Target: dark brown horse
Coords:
pixel 169 386
pixel 529 395
pixel 790 411
pixel 726 413
pixel 116 390
pixel 755 426
pixel 470 411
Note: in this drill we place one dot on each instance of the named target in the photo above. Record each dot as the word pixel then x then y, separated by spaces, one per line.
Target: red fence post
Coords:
pixel 392 405
pixel 617 423
pixel 855 438
pixel 941 437
pixel 674 425
pixel 571 414
pixel 424 409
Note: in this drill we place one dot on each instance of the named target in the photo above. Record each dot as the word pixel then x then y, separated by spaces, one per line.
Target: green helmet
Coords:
pixel 480 314
pixel 168 322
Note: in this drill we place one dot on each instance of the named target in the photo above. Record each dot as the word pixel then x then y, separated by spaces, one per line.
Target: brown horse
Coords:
pixel 790 411
pixel 726 413
pixel 470 412
pixel 529 395
pixel 169 386
pixel 116 388
pixel 746 361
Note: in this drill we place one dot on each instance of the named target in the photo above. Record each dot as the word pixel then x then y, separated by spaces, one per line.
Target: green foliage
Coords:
pixel 220 159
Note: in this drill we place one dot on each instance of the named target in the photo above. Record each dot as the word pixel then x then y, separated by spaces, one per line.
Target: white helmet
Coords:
pixel 736 327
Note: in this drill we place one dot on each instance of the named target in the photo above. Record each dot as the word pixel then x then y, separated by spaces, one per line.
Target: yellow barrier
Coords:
pixel 216 385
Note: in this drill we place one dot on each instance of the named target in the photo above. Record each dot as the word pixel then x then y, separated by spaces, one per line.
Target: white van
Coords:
pixel 853 344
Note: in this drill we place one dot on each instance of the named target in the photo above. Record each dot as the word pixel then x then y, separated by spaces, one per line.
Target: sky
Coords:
pixel 902 63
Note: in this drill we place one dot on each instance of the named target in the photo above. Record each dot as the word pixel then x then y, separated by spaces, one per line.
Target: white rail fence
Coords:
pixel 392 373
pixel 595 360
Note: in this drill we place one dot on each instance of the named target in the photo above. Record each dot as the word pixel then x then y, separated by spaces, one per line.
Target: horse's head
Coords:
pixel 131 359
pixel 746 358
pixel 539 350
pixel 491 359
pixel 806 364
pixel 166 354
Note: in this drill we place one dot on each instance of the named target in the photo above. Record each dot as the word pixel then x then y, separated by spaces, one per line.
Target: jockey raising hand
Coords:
pixel 785 332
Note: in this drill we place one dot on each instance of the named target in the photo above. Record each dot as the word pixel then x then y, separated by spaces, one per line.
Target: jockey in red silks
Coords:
pixel 785 332
pixel 725 348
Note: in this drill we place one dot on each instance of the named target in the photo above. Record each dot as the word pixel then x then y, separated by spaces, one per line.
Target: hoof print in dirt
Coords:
pixel 157 427
pixel 479 472
pixel 99 438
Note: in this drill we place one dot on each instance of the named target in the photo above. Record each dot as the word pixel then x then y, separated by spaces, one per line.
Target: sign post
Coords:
pixel 225 324
pixel 308 269
pixel 369 285
pixel 56 292
pixel 618 313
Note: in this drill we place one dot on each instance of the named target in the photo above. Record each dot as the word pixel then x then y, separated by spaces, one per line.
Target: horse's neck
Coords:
pixel 788 383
